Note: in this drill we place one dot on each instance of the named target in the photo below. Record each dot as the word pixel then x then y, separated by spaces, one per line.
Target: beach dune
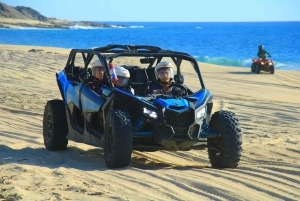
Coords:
pixel 267 107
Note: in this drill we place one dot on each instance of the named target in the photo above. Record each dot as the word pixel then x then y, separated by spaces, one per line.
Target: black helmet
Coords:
pixel 261 47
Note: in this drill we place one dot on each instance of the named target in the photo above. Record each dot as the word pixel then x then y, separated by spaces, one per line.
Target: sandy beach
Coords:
pixel 267 106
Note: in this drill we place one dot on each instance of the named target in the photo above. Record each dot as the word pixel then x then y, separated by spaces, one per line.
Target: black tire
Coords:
pixel 272 69
pixel 253 68
pixel 118 139
pixel 257 69
pixel 228 143
pixel 55 127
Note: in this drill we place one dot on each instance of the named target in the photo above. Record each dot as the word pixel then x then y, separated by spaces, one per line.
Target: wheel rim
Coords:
pixel 49 126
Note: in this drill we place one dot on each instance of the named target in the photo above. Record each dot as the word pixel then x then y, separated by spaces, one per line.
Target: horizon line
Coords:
pixel 194 21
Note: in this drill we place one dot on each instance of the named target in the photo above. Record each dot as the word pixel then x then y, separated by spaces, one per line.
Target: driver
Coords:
pixel 164 74
pixel 262 52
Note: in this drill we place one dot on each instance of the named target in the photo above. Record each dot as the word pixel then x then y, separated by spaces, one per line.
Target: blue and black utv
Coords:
pixel 122 120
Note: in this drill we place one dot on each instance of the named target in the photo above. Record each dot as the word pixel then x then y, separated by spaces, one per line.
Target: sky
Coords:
pixel 165 10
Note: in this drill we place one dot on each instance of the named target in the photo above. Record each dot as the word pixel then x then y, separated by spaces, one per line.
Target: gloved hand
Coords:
pixel 166 89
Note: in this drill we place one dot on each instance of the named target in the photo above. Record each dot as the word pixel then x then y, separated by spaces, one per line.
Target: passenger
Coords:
pixel 123 77
pixel 164 74
pixel 98 77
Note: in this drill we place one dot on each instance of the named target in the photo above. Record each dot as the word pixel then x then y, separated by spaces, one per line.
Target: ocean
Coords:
pixel 221 43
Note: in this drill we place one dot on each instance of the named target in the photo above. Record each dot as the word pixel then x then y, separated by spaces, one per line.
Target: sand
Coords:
pixel 267 106
pixel 27 23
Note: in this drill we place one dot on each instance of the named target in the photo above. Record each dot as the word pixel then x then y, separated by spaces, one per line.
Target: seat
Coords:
pixel 142 77
pixel 150 73
pixel 72 73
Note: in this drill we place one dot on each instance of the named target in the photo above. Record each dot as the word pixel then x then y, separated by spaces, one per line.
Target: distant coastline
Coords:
pixel 9 23
pixel 26 17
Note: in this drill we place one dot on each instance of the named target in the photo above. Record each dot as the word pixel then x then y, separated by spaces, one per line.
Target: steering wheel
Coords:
pixel 183 90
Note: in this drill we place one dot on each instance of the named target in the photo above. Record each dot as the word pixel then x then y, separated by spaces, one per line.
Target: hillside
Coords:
pixel 20 12
pixel 20 16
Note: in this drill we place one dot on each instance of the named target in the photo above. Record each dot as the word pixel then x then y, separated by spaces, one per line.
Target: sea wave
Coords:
pixel 112 26
pixel 31 28
pixel 246 63
pixel 84 27
pixel 138 27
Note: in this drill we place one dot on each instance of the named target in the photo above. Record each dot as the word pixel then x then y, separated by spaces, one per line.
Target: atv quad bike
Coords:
pixel 121 121
pixel 264 64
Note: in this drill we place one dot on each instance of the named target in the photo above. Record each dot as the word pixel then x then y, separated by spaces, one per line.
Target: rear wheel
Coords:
pixel 225 150
pixel 118 139
pixel 55 127
pixel 253 68
pixel 257 69
pixel 272 69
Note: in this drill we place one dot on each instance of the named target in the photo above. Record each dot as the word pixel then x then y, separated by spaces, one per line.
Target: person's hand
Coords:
pixel 166 88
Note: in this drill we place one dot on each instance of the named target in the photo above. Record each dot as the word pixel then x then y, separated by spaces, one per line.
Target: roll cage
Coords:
pixel 151 54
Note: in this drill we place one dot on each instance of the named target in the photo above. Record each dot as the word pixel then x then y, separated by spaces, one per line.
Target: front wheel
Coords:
pixel 257 69
pixel 225 150
pixel 55 127
pixel 118 139
pixel 272 69
pixel 253 68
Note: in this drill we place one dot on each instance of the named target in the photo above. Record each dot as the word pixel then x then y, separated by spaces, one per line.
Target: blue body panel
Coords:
pixel 69 93
pixel 72 94
pixel 181 104
pixel 200 97
pixel 90 100
pixel 133 96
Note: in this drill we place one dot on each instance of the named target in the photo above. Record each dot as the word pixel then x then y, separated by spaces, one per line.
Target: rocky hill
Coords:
pixel 20 16
pixel 20 12
pixel 30 13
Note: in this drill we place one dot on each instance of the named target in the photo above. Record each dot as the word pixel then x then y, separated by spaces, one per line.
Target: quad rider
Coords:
pixel 262 52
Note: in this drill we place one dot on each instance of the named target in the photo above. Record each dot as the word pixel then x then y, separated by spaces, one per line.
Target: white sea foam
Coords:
pixel 84 27
pixel 135 27
pixel 245 62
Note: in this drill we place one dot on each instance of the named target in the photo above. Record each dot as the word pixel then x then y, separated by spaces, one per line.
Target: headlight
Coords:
pixel 262 63
pixel 270 64
pixel 150 113
pixel 201 113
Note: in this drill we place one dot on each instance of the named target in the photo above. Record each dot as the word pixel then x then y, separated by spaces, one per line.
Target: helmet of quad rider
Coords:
pixel 164 65
pixel 96 64
pixel 261 47
pixel 123 76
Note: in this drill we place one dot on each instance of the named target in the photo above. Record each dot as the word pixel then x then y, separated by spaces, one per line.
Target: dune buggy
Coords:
pixel 121 121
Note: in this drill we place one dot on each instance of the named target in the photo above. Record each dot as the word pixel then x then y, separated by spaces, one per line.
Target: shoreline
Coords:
pixel 9 23
pixel 12 46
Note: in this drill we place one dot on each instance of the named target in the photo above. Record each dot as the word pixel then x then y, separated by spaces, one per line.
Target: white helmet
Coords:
pixel 123 75
pixel 96 64
pixel 164 65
